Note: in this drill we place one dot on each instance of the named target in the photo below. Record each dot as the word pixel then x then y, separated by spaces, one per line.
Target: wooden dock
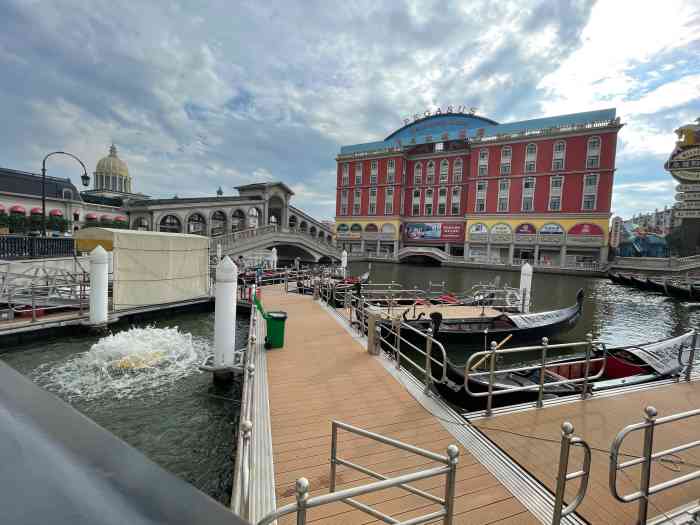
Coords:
pixel 322 374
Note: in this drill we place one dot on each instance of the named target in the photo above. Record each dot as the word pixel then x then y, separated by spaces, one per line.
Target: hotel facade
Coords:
pixel 537 190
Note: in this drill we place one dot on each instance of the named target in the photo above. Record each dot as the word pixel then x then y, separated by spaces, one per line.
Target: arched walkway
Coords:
pixel 275 208
pixel 218 223
pixel 293 221
pixel 237 220
pixel 171 224
pixel 140 223
pixel 253 218
pixel 196 224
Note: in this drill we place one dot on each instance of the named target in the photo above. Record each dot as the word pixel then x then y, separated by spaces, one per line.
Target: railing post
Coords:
pixel 397 331
pixel 372 339
pixel 450 481
pixel 567 430
pixel 492 368
pixel 31 287
pixel 302 493
pixel 587 369
pixel 428 360
pixel 246 427
pixel 540 393
pixel 334 455
pixel 691 357
pixel 650 417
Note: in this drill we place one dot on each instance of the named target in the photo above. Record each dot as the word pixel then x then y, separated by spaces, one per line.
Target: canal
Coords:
pixel 143 385
pixel 616 314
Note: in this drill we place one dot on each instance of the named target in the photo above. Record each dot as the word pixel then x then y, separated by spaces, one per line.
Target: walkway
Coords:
pixel 322 374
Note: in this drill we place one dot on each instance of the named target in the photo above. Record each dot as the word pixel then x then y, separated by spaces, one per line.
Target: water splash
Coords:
pixel 126 364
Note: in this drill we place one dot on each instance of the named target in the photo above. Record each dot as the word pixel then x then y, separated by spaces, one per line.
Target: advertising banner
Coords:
pixel 551 233
pixel 434 231
pixel 478 232
pixel 525 233
pixel 501 233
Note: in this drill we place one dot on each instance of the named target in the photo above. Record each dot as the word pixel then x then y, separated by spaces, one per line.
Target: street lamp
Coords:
pixel 85 178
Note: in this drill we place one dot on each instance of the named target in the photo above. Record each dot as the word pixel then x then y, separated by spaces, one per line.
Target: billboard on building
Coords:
pixel 434 231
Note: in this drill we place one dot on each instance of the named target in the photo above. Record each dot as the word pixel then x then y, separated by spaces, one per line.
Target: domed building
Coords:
pixel 112 174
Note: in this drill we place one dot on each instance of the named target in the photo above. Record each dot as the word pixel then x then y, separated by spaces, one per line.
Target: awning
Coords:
pixel 17 209
pixel 2 208
pixel 121 218
pixel 91 217
pixel 35 211
pixel 106 218
pixel 56 213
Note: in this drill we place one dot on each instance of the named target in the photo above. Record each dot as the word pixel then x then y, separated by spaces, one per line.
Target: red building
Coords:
pixel 538 190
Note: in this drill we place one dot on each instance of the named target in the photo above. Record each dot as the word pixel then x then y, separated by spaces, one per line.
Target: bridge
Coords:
pixel 420 252
pixel 290 243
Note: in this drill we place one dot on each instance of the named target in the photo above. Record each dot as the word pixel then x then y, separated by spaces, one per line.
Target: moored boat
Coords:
pixel 677 291
pixel 656 286
pixel 640 283
pixel 624 279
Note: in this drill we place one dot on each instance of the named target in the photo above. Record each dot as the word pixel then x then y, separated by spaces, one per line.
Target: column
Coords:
pixel 537 254
pixel 362 246
pixel 511 251
pixel 447 248
pixel 604 255
pixel 466 249
pixel 488 251
pixel 562 256
pixel 379 247
pixel 396 248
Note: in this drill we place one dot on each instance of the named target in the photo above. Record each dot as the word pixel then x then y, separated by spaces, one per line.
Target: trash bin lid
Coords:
pixel 277 315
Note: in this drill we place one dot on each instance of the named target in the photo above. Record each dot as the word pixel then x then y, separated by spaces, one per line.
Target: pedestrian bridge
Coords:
pixel 420 251
pixel 289 242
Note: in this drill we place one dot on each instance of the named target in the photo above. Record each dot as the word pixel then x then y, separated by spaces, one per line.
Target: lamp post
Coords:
pixel 85 178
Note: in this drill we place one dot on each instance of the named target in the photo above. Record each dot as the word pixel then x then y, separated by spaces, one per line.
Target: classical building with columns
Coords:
pixel 538 190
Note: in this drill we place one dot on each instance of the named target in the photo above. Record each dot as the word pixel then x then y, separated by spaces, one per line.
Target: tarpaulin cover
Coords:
pixel 59 467
pixel 662 356
pixel 152 267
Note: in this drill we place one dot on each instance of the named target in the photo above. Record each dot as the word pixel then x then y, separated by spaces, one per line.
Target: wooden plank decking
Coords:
pixel 322 374
pixel 598 421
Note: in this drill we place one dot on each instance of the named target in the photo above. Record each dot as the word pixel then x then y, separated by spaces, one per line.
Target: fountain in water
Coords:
pixel 126 364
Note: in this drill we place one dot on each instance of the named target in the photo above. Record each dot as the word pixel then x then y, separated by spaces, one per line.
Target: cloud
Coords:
pixel 232 93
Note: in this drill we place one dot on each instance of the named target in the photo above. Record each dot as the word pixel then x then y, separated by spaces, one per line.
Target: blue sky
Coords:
pixel 200 94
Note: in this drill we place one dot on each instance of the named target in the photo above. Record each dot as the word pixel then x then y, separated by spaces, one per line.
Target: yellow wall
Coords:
pixel 566 223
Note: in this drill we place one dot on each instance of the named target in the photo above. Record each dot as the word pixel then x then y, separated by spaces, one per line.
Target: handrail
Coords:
pixel 691 358
pixel 648 455
pixel 542 366
pixel 303 502
pixel 567 441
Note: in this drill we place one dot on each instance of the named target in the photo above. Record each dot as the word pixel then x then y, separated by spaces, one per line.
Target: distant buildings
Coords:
pixel 659 221
pixel 538 189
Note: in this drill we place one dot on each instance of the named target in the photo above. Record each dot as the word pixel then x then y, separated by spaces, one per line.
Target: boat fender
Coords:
pixel 436 318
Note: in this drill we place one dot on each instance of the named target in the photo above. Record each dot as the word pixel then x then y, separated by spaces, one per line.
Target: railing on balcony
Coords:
pixel 13 247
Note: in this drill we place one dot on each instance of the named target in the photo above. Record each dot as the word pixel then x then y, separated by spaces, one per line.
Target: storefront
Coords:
pixel 442 235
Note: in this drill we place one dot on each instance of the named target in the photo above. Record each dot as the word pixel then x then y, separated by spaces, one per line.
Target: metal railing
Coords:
pixel 688 366
pixel 13 247
pixel 563 475
pixel 449 470
pixel 542 366
pixel 646 489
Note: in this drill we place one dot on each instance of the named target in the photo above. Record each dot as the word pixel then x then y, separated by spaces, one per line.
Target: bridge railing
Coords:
pixel 233 240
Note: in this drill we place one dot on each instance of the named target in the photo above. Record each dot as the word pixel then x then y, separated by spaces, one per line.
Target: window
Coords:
pixel 503 195
pixel 483 162
pixel 555 187
pixel 373 173
pixel 431 173
pixel 442 201
pixel 416 203
pixel 590 191
pixel 428 205
pixel 528 193
pixel 506 156
pixel 346 175
pixel 457 171
pixel 389 201
pixel 358 174
pixel 559 155
pixel 593 153
pixel 480 196
pixel 344 202
pixel 372 201
pixel 67 194
pixel 531 158
pixel 439 146
pixel 390 171
pixel 444 171
pixel 417 174
pixel 455 202
pixel 356 201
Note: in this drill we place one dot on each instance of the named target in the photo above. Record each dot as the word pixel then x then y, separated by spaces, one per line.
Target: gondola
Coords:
pixel 639 283
pixel 656 286
pixel 614 278
pixel 453 329
pixel 678 292
pixel 624 279
pixel 624 365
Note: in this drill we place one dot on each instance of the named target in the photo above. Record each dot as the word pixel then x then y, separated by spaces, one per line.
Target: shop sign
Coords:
pixel 616 232
pixel 478 233
pixel 434 231
pixel 449 110
pixel 526 233
pixel 688 214
pixel 685 165
pixel 688 187
pixel 688 196
pixel 551 233
pixel 586 228
pixel 586 233
pixel 689 205
pixel 501 233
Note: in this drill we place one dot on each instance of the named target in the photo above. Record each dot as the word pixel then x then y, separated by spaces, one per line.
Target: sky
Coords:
pixel 199 94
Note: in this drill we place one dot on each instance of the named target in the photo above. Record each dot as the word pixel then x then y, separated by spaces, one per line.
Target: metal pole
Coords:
pixel 302 493
pixel 453 455
pixel 492 366
pixel 334 454
pixel 428 363
pixel 589 349
pixel 650 417
pixel 691 358
pixel 31 287
pixel 567 430
pixel 398 344
pixel 540 394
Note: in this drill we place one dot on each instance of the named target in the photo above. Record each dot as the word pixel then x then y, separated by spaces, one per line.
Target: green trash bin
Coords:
pixel 275 329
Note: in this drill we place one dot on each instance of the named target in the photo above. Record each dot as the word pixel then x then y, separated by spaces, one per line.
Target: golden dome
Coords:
pixel 111 173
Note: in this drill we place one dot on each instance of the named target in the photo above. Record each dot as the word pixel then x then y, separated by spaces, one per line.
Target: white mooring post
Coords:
pixel 218 252
pixel 225 313
pixel 526 286
pixel 99 284
pixel 344 263
pixel 274 258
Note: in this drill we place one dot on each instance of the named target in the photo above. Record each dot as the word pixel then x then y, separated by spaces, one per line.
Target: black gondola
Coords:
pixel 639 283
pixel 678 292
pixel 459 332
pixel 656 286
pixel 614 278
pixel 624 279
